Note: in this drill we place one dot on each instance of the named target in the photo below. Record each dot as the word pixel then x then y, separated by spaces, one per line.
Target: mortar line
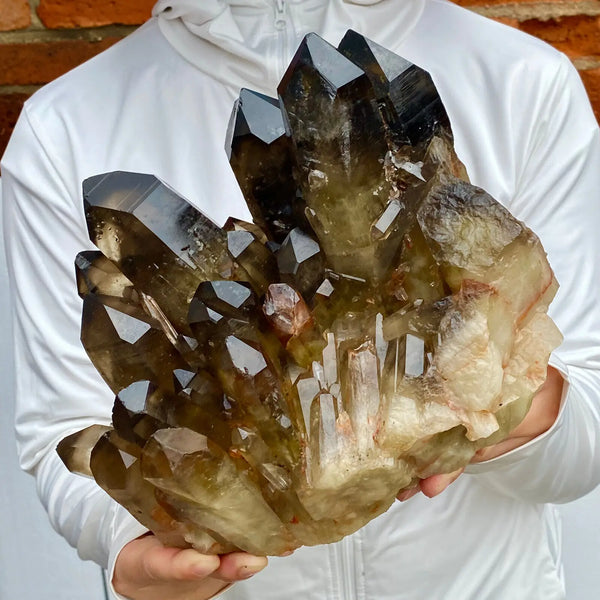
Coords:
pixel 89 34
pixel 542 11
pixel 586 63
pixel 6 90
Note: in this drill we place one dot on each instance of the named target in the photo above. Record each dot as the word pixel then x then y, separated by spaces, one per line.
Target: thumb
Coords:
pixel 152 562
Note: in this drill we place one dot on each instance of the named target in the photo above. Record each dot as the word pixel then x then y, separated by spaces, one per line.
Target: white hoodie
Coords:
pixel 159 103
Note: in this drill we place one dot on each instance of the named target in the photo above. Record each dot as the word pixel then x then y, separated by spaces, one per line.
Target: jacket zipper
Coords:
pixel 281 27
pixel 279 8
pixel 345 549
pixel 347 572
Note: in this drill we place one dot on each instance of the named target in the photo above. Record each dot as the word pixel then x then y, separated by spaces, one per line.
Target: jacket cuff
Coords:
pixel 128 530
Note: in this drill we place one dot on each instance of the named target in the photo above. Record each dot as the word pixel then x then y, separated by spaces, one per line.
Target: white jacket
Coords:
pixel 159 102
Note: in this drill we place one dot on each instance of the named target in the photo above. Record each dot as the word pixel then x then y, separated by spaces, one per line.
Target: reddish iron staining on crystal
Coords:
pixel 279 383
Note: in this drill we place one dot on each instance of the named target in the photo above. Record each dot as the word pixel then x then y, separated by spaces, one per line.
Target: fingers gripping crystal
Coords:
pixel 278 383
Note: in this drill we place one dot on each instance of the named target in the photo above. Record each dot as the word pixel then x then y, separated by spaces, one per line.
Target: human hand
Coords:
pixel 541 416
pixel 147 570
pixel 431 486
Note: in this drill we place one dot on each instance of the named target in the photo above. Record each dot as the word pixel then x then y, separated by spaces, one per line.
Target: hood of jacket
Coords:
pixel 249 43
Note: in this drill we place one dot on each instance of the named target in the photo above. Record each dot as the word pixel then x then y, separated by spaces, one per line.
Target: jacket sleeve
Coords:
pixel 58 391
pixel 558 197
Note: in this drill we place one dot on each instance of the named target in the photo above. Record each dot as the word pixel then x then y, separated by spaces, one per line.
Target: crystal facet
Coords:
pixel 279 382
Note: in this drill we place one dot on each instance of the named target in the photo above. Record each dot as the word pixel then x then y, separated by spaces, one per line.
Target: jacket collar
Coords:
pixel 201 11
pixel 238 42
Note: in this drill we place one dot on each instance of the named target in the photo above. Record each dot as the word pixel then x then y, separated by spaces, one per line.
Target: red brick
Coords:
pixel 505 2
pixel 10 107
pixel 475 2
pixel 93 13
pixel 481 2
pixel 508 21
pixel 576 36
pixel 14 14
pixel 591 80
pixel 38 63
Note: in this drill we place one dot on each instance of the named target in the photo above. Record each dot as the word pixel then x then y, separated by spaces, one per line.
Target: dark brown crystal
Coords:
pixel 151 234
pixel 412 106
pixel 279 382
pixel 261 155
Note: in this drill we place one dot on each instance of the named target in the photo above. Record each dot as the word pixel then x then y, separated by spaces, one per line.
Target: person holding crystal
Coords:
pixel 159 102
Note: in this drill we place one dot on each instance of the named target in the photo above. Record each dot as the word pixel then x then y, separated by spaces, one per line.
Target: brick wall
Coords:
pixel 41 39
pixel 572 26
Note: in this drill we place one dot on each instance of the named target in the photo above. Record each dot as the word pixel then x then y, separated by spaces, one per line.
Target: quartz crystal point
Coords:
pixel 410 103
pixel 279 382
pixel 261 156
pixel 152 234
pixel 332 115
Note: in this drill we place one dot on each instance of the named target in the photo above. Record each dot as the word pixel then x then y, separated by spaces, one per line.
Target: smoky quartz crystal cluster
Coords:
pixel 279 382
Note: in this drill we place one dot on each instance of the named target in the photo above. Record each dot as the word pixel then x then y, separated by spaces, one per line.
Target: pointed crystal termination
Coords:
pixel 202 407
pixel 116 466
pixel 286 311
pixel 231 299
pixel 232 225
pixel 109 344
pixel 261 157
pixel 151 234
pixel 412 105
pixel 75 450
pixel 291 320
pixel 250 380
pixel 331 113
pixel 99 276
pixel 202 485
pixel 139 411
pixel 278 387
pixel 126 348
pixel 254 257
pixel 132 314
pixel 218 309
pixel 360 381
pixel 301 262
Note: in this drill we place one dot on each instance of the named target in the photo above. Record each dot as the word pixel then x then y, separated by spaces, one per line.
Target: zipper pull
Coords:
pixel 280 20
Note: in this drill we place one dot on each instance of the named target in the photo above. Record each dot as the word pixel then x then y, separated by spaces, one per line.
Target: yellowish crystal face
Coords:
pixel 278 383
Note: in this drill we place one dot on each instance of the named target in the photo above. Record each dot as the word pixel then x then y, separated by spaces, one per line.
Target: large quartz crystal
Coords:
pixel 278 383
